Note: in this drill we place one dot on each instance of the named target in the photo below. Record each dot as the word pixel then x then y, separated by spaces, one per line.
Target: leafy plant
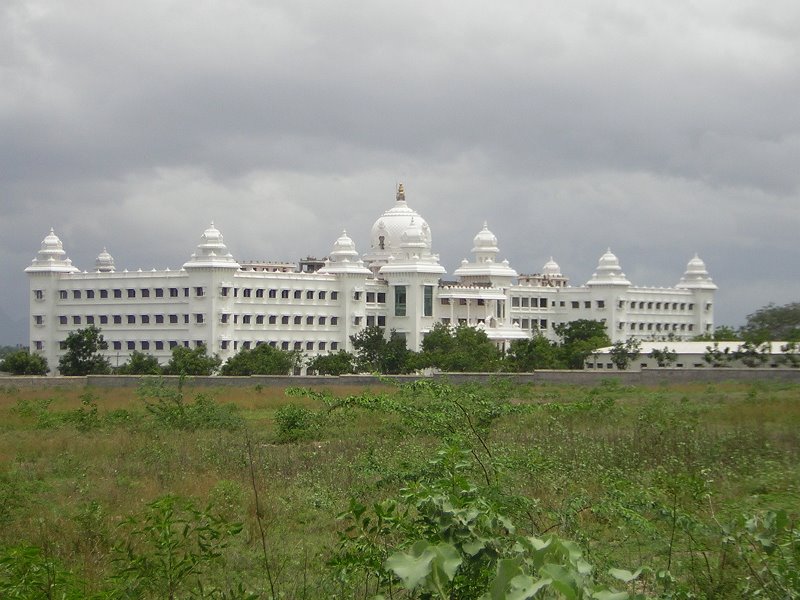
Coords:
pixel 168 408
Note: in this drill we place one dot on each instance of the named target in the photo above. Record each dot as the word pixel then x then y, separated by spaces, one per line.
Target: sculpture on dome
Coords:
pixel 401 193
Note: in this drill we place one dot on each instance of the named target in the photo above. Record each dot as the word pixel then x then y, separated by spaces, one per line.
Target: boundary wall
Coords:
pixel 645 377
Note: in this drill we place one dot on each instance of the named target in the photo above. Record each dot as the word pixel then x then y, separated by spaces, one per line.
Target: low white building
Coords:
pixel 215 301
pixel 700 355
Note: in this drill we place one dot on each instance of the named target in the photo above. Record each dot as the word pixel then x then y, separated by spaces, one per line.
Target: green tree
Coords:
pixel 752 354
pixel 83 353
pixel 459 349
pixel 186 361
pixel 716 357
pixel 624 353
pixel 531 354
pixel 777 323
pixel 723 333
pixel 375 353
pixel 664 357
pixel 23 362
pixel 338 363
pixel 579 339
pixel 261 360
pixel 140 364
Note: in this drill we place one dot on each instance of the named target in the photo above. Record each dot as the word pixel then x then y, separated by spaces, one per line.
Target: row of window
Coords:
pixel 198 318
pixel 159 345
pixel 273 319
pixel 529 302
pixel 659 326
pixel 531 323
pixel 308 346
pixel 284 294
pixel 658 305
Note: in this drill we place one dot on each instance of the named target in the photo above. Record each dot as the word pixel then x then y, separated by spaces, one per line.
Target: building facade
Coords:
pixel 316 306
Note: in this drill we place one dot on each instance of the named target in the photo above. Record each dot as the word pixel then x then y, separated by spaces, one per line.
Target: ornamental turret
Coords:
pixel 211 252
pixel 696 276
pixel 608 272
pixel 104 263
pixel 51 257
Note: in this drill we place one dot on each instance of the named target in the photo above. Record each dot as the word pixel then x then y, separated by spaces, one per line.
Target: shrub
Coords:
pixel 294 422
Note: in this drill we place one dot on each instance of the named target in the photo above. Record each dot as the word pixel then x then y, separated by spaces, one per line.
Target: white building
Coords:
pixel 225 305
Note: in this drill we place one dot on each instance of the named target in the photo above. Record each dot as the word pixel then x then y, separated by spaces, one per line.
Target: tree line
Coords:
pixel 445 348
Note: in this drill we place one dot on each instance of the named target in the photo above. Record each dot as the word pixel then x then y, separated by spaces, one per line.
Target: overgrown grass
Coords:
pixel 656 477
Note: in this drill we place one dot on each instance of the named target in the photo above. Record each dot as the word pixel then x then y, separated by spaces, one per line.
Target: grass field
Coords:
pixel 665 478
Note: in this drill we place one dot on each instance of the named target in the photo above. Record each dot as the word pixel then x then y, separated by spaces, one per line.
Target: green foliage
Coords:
pixel 169 550
pixel 715 357
pixel 623 353
pixel 752 354
pixel 723 333
pixel 376 354
pixel 664 357
pixel 22 362
pixel 186 361
pixel 29 573
pixel 459 349
pixel 167 407
pixel 530 354
pixel 294 422
pixel 777 323
pixel 83 355
pixel 140 364
pixel 579 339
pixel 261 360
pixel 446 537
pixel 338 363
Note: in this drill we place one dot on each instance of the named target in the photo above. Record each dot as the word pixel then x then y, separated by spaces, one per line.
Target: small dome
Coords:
pixel 104 263
pixel 414 236
pixel 485 241
pixel 343 249
pixel 211 251
pixel 386 234
pixel 696 275
pixel 551 268
pixel 51 256
pixel 608 271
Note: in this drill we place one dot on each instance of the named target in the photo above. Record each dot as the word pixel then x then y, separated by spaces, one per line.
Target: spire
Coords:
pixel 401 193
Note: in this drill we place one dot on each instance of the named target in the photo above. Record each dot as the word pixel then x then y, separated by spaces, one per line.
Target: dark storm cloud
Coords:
pixel 658 129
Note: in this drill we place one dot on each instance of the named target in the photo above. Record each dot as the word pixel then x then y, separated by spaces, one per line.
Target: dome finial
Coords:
pixel 401 193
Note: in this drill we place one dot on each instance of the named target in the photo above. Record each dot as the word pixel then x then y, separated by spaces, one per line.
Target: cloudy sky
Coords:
pixel 658 129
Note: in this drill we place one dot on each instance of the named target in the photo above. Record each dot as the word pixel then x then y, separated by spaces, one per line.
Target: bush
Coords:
pixel 294 422
pixel 23 362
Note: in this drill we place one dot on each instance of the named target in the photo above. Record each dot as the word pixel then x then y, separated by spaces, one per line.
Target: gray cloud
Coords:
pixel 658 129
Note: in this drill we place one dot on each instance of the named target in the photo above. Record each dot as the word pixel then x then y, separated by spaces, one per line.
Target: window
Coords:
pixel 76 294
pixel 576 304
pixel 145 319
pixel 381 321
pixel 76 320
pixel 159 319
pixel 525 302
pixel 309 320
pixel 159 345
pixel 543 302
pixel 334 295
pixel 601 304
pixel 284 345
pixel 298 294
pixel 298 320
pixel 334 320
pixel 224 291
pixel 131 319
pixel 515 302
pixel 427 301
pixel 370 320
pixel 62 294
pixel 246 319
pixel 260 293
pixel 38 344
pixel 246 292
pixel 145 292
pixel 321 346
pixel 322 320
pixel 131 293
pixel 186 292
pixel 224 318
pixel 186 321
pixel 159 292
pixel 145 345
pixel 658 305
pixel 400 301
pixel 198 318
pixel 104 293
pixel 309 345
pixel 62 320
pixel 223 345
pixel 543 324
pixel 321 295
pixel 273 319
pixel 446 301
pixel 356 320
pixel 173 292
pixel 310 295
pixel 525 324
pixel 370 296
pixel 285 320
pixel 259 319
pixel 117 345
pixel 198 291
pixel 587 304
pixel 117 319
pixel 334 345
pixel 298 345
pixel 273 293
pixel 173 319
pixel 381 297
pixel 103 319
pixel 38 294
pixel 90 320
pixel 172 344
pixel 284 293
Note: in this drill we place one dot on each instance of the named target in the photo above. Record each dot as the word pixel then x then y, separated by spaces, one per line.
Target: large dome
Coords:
pixel 386 237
